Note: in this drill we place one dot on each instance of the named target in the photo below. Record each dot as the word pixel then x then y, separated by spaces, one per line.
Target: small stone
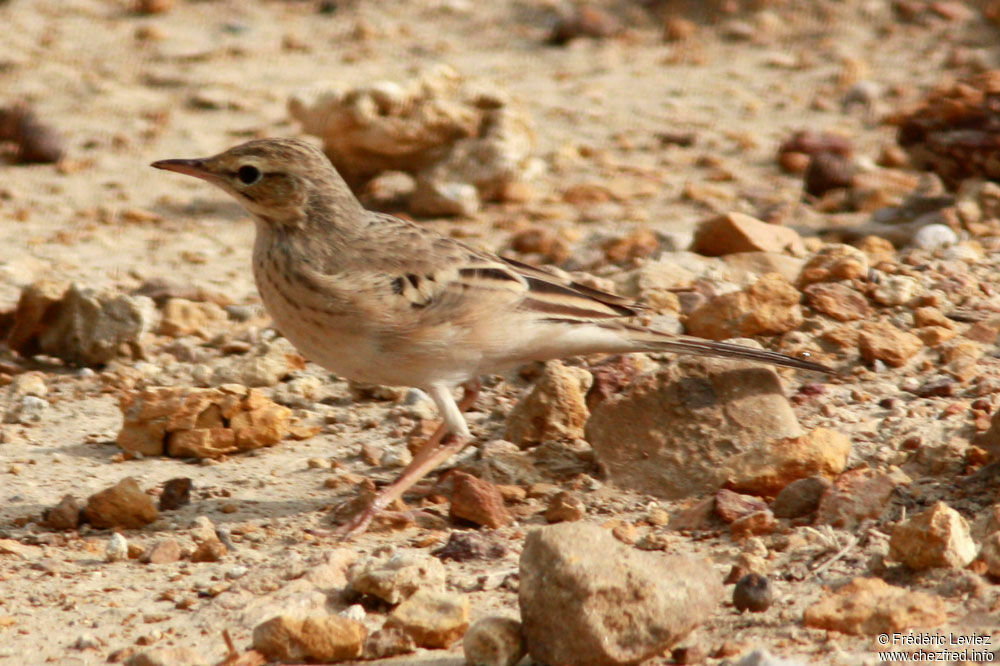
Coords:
pixel 65 515
pixel 122 505
pixel 176 493
pixel 827 171
pixel 209 550
pixel 86 642
pixel 184 317
pixel 857 495
pixel 772 466
pixel 934 236
pixel 767 307
pixel 870 606
pixel 896 290
pixel 730 506
pixel 881 341
pixel 164 551
pixel 758 522
pixel 477 501
pixel 836 300
pixel 564 506
pixel 617 605
pixel 116 549
pixel 555 408
pixel 388 642
pixel 833 263
pixel 585 21
pixel 319 637
pixel 432 619
pixel 467 546
pixel 494 641
pixel 937 537
pixel 736 232
pixel 800 497
pixel 753 593
pixel 398 577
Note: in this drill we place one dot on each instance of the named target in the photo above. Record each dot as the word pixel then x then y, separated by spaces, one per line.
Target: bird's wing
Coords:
pixel 419 276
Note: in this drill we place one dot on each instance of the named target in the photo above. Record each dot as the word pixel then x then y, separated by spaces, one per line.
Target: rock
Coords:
pixel 494 641
pixel 767 307
pixel 827 171
pixel 896 290
pixel 767 469
pixel 934 236
pixel 319 637
pixel 164 551
pixel 449 136
pixel 116 549
pixel 433 619
pixel 937 537
pixel 800 498
pixel 398 577
pixel 65 515
pixel 753 593
pixel 388 642
pixel 836 300
pixel 670 433
pixel 209 550
pixel 736 232
pixel 80 325
pixel 565 506
pixel 615 605
pixel 176 493
pixel 477 501
pixel 122 505
pixel 858 495
pixel 556 408
pixel 833 263
pixel 758 522
pixel 989 554
pixel 610 377
pixel 870 606
pixel 169 656
pixel 265 365
pixel 881 341
pixel 584 21
pixel 184 317
pixel 762 263
pixel 35 141
pixel 730 506
pixel 200 423
pixel 467 546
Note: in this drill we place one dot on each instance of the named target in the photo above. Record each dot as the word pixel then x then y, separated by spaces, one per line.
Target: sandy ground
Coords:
pixel 126 89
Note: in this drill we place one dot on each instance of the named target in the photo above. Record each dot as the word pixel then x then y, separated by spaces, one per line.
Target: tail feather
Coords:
pixel 682 344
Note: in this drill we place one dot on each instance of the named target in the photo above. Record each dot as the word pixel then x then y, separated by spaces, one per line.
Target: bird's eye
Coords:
pixel 248 175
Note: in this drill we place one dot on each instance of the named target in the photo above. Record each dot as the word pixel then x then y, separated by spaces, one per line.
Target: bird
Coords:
pixel 378 299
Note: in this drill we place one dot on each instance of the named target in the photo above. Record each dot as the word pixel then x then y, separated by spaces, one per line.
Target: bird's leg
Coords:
pixel 449 438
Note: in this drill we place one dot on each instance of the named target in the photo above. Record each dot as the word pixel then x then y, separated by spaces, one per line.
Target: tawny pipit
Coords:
pixel 377 299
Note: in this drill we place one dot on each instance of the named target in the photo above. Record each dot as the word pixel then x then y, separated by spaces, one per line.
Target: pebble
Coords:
pixel 564 506
pixel 615 604
pixel 397 577
pixel 122 505
pixel 116 549
pixel 477 501
pixel 65 515
pixel 555 408
pixel 467 546
pixel 934 236
pixel 433 619
pixel 753 592
pixel 937 537
pixel 176 493
pixel 315 637
pixel 494 641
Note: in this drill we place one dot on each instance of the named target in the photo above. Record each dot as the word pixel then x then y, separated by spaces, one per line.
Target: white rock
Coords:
pixel 117 548
pixel 934 236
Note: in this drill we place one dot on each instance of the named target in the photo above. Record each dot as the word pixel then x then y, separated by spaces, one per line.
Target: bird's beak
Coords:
pixel 194 168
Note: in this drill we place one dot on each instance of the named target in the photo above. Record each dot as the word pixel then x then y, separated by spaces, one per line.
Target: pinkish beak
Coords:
pixel 188 167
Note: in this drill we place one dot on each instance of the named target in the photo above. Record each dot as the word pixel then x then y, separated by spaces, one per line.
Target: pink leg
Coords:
pixel 441 446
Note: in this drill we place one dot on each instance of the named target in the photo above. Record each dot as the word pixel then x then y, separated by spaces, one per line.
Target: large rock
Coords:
pixel 317 637
pixel 78 324
pixel 937 537
pixel 736 232
pixel 122 505
pixel 767 307
pixel 556 408
pixel 870 606
pixel 770 467
pixel 670 433
pixel 588 600
pixel 454 140
pixel 200 423
pixel 432 619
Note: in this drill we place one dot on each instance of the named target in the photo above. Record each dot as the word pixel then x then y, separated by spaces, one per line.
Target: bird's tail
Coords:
pixel 651 340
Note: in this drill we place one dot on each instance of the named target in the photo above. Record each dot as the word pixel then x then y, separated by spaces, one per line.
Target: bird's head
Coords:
pixel 271 178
